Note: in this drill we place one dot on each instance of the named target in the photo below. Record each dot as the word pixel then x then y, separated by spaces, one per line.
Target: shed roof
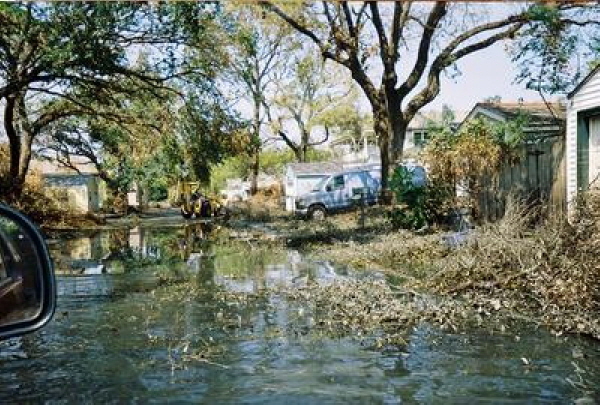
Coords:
pixel 539 113
pixel 315 168
pixel 584 81
pixel 422 119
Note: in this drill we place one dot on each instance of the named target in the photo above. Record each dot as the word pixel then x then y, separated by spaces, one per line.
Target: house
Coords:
pixel 300 178
pixel 541 119
pixel 539 175
pixel 81 189
pixel 583 136
pixel 351 150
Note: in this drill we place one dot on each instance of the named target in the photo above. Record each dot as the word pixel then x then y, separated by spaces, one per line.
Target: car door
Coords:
pixel 338 191
pixel 356 186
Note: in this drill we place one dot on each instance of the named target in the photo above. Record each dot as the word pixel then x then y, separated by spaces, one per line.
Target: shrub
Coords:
pixel 477 151
pixel 417 205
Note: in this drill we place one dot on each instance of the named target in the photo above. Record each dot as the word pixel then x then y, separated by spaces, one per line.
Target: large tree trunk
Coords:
pixel 26 139
pixel 381 128
pixel 20 141
pixel 24 158
pixel 399 127
pixel 14 142
pixel 398 124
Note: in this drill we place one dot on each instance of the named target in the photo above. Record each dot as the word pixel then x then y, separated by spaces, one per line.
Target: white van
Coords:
pixel 338 192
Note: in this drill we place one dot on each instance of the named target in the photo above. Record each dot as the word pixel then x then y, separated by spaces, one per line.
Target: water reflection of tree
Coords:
pixel 194 238
pixel 133 249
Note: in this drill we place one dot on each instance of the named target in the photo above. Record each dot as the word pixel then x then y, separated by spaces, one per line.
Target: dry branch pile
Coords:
pixel 550 273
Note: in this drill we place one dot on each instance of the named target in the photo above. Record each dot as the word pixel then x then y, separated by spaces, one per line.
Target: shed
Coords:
pixel 583 136
pixel 538 176
pixel 542 118
pixel 300 178
pixel 82 190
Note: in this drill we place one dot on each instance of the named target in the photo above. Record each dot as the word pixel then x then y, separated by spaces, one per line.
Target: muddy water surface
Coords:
pixel 178 316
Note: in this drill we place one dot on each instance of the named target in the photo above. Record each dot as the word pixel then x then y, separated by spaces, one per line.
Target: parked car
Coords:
pixel 338 192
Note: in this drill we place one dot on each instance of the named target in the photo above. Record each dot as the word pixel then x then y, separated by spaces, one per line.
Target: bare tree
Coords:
pixel 259 49
pixel 375 40
pixel 308 97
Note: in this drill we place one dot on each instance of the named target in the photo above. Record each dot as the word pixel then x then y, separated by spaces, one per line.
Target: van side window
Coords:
pixel 338 182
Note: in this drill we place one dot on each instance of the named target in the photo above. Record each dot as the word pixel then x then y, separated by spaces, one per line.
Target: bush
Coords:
pixel 417 206
pixel 41 205
pixel 549 272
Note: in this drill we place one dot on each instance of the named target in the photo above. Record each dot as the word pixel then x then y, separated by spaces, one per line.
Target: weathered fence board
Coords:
pixel 539 177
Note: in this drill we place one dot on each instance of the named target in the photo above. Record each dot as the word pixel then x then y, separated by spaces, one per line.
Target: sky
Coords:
pixel 485 73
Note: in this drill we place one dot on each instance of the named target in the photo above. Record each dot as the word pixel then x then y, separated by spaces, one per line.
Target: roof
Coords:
pixel 538 113
pixel 315 168
pixel 53 168
pixel 584 81
pixel 423 118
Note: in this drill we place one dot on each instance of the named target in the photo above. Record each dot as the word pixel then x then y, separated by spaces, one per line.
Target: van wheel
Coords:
pixel 317 213
pixel 185 213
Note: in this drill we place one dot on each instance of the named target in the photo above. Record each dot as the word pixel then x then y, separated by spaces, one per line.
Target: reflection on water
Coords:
pixel 159 320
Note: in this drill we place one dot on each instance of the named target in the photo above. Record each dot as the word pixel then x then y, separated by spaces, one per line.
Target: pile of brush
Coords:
pixel 549 272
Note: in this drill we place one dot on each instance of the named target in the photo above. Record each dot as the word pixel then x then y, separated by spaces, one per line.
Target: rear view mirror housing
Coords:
pixel 27 283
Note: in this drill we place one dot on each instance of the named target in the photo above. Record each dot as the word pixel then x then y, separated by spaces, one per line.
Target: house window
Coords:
pixel 420 138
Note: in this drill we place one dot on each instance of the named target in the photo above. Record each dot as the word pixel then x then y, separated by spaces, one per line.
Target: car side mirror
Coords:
pixel 27 283
pixel 328 188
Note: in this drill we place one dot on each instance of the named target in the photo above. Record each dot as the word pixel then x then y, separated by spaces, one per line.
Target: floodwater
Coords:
pixel 181 315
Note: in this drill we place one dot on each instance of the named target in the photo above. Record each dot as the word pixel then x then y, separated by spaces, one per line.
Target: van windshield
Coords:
pixel 320 184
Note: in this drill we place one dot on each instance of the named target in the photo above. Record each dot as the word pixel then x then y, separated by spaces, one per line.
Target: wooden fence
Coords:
pixel 539 177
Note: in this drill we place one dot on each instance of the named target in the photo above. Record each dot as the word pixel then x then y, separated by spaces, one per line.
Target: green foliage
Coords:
pixel 208 134
pixel 550 51
pixel 417 205
pixel 477 150
pixel 272 162
pixel 479 147
pixel 85 83
pixel 412 212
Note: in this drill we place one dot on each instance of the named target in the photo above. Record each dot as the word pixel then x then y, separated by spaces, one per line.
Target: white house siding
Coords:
pixel 571 151
pixel 79 192
pixel 584 99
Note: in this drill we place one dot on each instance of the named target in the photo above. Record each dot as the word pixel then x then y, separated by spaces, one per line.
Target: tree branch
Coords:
pixel 323 140
pixel 305 31
pixel 445 59
pixel 437 13
pixel 384 49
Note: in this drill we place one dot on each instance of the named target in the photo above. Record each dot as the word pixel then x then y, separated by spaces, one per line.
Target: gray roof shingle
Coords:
pixel 316 168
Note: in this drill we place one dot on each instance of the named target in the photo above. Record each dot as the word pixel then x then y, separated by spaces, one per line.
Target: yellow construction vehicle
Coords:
pixel 193 202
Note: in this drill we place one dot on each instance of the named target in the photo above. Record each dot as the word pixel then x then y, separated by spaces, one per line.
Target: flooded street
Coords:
pixel 183 315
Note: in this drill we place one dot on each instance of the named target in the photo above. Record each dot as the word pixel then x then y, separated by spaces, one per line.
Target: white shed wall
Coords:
pixel 297 185
pixel 586 98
